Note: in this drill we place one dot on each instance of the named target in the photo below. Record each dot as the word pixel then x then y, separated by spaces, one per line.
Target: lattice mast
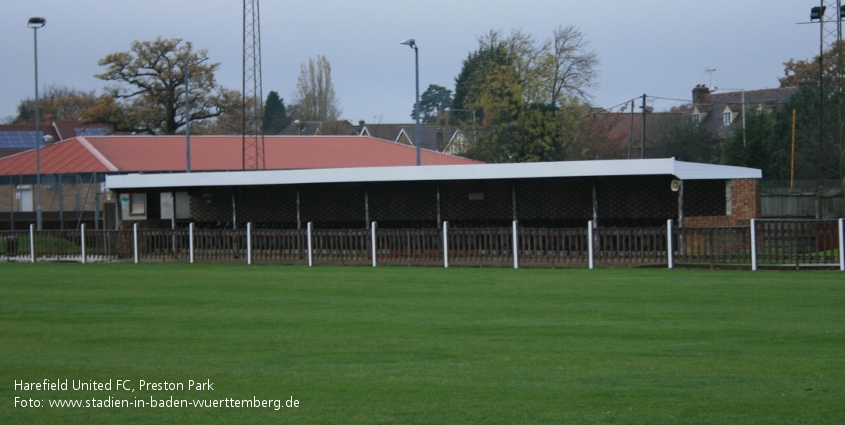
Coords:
pixel 829 13
pixel 253 97
pixel 831 40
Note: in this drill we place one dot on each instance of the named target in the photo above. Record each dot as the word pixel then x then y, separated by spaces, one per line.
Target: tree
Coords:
pixel 432 103
pixel 149 91
pixel 750 146
pixel 815 157
pixel 527 95
pixel 815 152
pixel 595 135
pixel 315 98
pixel 524 55
pixel 548 72
pixel 275 114
pixel 798 72
pixel 64 103
pixel 474 66
pixel 677 136
pixel 568 68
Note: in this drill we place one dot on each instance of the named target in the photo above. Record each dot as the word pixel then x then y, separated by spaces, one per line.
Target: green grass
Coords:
pixel 429 345
pixel 43 244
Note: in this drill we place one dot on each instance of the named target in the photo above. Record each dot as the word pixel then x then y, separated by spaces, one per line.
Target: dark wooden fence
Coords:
pixel 712 245
pixel 777 243
pixel 480 247
pixel 631 246
pixel 344 247
pixel 163 245
pixel 108 245
pixel 553 247
pixel 797 242
pixel 279 246
pixel 408 247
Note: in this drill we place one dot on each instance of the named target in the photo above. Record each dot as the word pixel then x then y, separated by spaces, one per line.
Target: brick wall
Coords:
pixel 745 205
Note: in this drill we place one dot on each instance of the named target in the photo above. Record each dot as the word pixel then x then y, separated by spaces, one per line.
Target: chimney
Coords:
pixel 361 123
pixel 48 120
pixel 699 92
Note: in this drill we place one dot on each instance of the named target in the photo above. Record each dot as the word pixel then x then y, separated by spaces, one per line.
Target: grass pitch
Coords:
pixel 425 345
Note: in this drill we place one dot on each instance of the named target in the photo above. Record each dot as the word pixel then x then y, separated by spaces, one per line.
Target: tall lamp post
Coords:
pixel 36 23
pixel 413 44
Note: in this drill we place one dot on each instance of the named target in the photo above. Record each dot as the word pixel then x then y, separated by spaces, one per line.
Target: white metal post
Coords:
pixel 249 243
pixel 446 244
pixel 82 237
pixel 191 242
pixel 373 241
pixel 669 249
pixel 310 258
pixel 592 260
pixel 753 244
pixel 515 247
pixel 135 240
pixel 32 243
pixel 842 245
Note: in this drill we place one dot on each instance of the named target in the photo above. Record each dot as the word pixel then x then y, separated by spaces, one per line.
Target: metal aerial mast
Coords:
pixel 253 98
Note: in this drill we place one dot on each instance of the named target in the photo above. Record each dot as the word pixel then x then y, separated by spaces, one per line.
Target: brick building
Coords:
pixel 73 170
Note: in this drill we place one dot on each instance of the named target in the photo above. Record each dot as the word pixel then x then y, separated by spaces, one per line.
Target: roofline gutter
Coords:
pixel 571 169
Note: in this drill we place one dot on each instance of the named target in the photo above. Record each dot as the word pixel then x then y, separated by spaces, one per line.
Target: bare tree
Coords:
pixel 314 98
pixel 548 71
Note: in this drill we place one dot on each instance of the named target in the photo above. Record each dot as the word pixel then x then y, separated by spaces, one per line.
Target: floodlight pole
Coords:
pixel 187 125
pixel 821 99
pixel 36 23
pixel 642 142
pixel 413 44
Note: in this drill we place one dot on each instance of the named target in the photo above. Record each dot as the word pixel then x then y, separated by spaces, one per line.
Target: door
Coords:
pixel 24 198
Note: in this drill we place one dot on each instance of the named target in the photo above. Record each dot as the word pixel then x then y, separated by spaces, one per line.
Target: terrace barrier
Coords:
pixel 765 243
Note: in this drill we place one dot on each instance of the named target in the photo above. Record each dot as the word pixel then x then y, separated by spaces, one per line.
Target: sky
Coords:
pixel 662 48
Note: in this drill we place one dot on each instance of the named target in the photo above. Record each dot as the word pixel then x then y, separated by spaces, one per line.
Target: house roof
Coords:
pixel 20 137
pixel 434 137
pixel 605 168
pixel 710 102
pixel 121 154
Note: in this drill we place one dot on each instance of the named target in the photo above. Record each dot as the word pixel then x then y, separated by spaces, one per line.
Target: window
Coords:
pixel 726 118
pixel 696 119
pixel 137 204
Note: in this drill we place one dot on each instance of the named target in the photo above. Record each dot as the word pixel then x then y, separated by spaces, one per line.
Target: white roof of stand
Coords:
pixel 603 168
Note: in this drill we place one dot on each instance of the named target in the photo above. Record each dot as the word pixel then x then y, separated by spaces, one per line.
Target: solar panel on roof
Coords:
pixel 17 139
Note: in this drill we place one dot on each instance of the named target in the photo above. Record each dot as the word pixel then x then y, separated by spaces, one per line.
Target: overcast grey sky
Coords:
pixel 658 47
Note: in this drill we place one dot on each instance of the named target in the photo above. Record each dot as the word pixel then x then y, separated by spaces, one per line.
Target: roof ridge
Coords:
pixel 96 153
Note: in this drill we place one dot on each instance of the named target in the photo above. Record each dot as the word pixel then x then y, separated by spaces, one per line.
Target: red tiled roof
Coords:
pixel 216 153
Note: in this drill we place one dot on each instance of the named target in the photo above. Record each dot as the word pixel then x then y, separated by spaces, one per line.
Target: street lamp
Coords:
pixel 413 44
pixel 36 23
